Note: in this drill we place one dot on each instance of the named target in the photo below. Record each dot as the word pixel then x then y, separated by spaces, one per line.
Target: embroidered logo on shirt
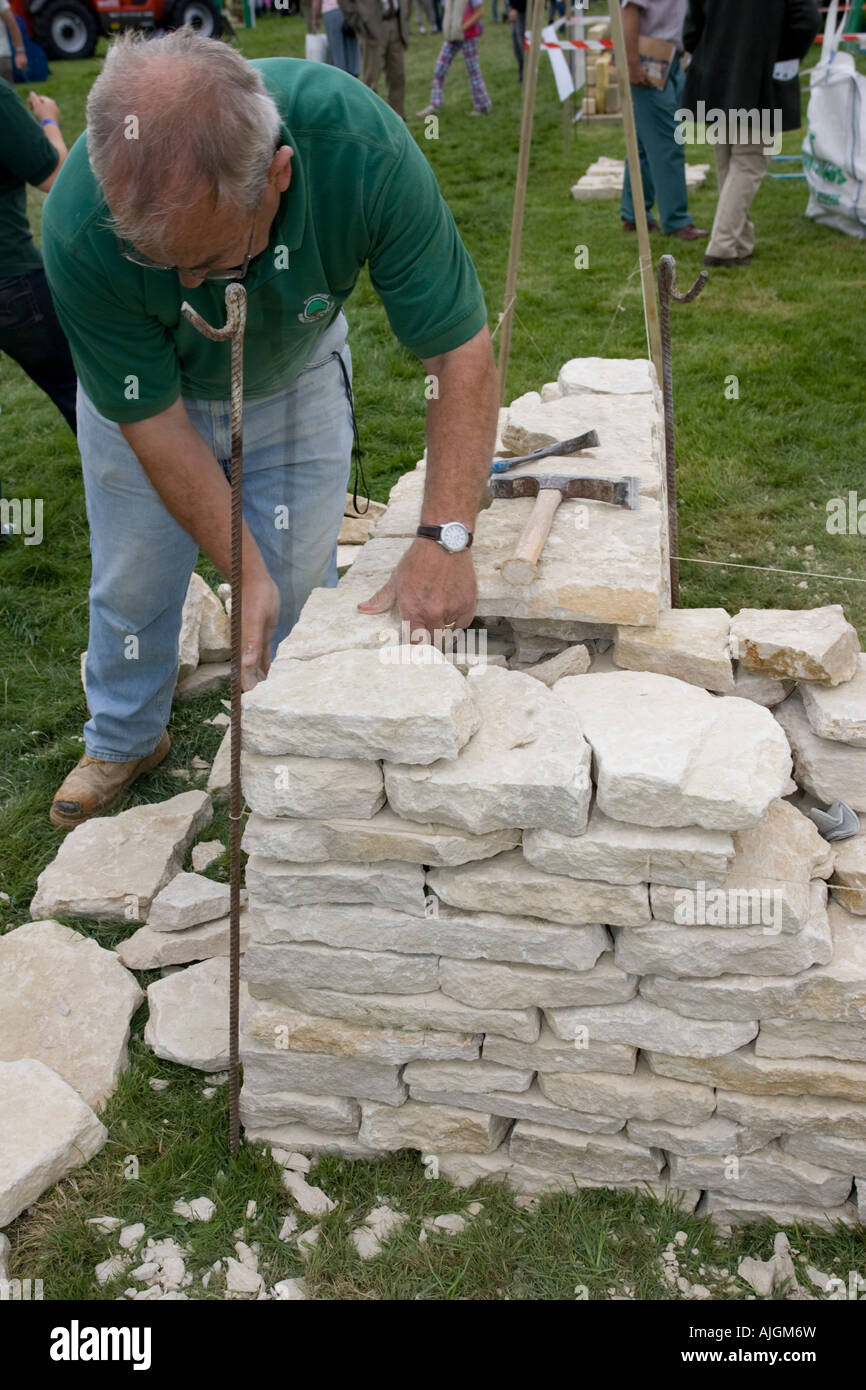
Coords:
pixel 315 307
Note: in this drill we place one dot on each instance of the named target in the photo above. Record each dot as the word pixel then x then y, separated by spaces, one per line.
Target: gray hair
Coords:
pixel 176 118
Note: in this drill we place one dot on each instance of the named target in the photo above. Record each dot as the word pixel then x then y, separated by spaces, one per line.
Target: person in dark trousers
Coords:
pixel 517 16
pixel 30 331
pixel 744 64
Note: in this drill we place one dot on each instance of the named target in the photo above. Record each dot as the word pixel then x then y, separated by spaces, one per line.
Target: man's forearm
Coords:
pixel 14 31
pixel 461 431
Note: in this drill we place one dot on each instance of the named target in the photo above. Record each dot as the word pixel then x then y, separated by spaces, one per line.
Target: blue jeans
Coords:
pixel 662 160
pixel 297 453
pixel 343 47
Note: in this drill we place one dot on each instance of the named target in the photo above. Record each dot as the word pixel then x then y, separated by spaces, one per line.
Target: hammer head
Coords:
pixel 619 492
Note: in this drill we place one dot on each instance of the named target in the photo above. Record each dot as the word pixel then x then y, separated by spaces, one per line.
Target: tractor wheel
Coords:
pixel 66 29
pixel 201 15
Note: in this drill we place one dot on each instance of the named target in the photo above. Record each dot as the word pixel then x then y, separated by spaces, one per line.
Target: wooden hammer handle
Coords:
pixel 521 567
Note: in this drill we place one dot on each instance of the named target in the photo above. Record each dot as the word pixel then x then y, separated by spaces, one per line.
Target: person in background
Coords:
pixel 461 28
pixel 11 43
pixel 517 16
pixel 29 329
pixel 342 43
pixel 426 17
pixel 382 28
pixel 745 58
pixel 662 158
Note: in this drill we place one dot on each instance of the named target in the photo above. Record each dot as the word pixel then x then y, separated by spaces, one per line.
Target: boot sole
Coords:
pixel 64 822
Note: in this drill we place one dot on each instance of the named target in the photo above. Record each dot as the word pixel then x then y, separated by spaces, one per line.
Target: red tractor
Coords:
pixel 72 28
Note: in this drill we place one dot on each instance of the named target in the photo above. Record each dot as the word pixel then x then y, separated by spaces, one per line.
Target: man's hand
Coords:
pixel 43 107
pixel 261 609
pixel 21 59
pixel 433 590
pixel 637 74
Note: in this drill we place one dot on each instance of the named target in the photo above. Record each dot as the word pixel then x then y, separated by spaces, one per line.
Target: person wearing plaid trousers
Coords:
pixel 461 29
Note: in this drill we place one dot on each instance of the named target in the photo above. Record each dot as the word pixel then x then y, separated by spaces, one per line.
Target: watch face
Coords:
pixel 454 536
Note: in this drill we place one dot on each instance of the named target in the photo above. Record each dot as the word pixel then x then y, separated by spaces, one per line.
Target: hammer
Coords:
pixel 548 491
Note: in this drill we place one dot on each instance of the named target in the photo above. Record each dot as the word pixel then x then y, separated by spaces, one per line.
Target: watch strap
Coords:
pixel 434 533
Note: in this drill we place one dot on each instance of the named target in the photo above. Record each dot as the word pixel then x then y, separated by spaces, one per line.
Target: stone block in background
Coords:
pixel 641 1096
pixel 550 1053
pixel 615 852
pixel 727 1210
pixel 690 644
pixel 828 1151
pixel 527 1105
pixel 431 1128
pixel 389 884
pixel 766 1176
pixel 667 753
pixel 508 884
pixel 810 1038
pixel 271 1070
pixel 640 1023
pixel 572 661
pixel 844 1119
pixel 527 764
pixel 747 1072
pixel 810 644
pixel 605 1158
pixel 308 965
pixel 830 770
pixel 838 712
pixel 403 513
pixel 281 1029
pixel 385 836
pixel 112 867
pixel 360 704
pixel 497 984
pixel 479 1077
pixel 713 1136
pixel 310 788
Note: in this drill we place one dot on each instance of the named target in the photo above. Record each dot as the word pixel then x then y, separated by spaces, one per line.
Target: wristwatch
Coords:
pixel 453 536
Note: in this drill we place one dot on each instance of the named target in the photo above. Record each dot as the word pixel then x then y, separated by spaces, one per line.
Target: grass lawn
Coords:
pixel 756 474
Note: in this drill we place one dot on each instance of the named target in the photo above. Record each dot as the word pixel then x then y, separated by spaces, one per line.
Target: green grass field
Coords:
pixel 755 477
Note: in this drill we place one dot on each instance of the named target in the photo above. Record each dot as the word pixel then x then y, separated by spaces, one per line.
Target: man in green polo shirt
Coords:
pixel 291 176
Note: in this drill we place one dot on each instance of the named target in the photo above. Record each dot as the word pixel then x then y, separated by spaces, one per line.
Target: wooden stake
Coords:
pixel 530 83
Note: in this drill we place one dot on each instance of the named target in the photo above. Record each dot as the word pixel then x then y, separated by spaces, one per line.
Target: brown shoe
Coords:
pixel 690 233
pixel 93 786
pixel 651 223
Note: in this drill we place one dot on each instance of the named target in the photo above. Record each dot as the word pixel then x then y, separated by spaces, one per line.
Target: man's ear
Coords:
pixel 281 168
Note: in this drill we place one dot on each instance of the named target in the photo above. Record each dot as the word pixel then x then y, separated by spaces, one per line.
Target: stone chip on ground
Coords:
pixel 312 1201
pixel 379 1225
pixel 811 644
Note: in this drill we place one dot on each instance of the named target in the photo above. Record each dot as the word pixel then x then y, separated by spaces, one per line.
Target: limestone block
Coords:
pixel 112 867
pixel 214 638
pixel 805 1037
pixel 850 870
pixel 641 1096
pixel 678 952
pixel 480 1076
pixel 275 1025
pixel 431 1128
pixel 492 984
pixel 389 884
pixel 447 932
pixel 410 1012
pixel 616 852
pixel 190 625
pixel 46 1130
pixel 830 770
pixel 550 1053
pixel 690 644
pixel 204 680
pixel 312 787
pixel 605 1158
pixel 764 690
pixel 187 900
pixel 385 836
pixel 330 622
pixel 827 1150
pixel 272 1070
pixel 617 376
pixel 640 1023
pixel 528 764
pixel 219 778
pixel 403 512
pixel 574 661
pixel 747 1072
pixel 462 1169
pixel 667 753
pixel 189 1015
pixel 362 704
pixel 306 964
pixel 766 1176
pixel 844 1119
pixel 509 884
pixel 839 712
pixel 66 1002
pixel 147 949
pixel 531 1104
pixel 810 644
pixel 833 993
pixel 303 1139
pixel 727 1210
pixel 712 1136
pixel 562 631
pixel 337 1114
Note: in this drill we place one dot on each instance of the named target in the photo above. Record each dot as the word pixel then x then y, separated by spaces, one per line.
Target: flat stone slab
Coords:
pixel 312 787
pixel 509 884
pixel 690 644
pixel 747 1072
pixel 272 1070
pixel 616 376
pixel 809 644
pixel 764 690
pixel 330 622
pixel 830 770
pixel 550 1053
pixel 312 966
pixel 713 1136
pixel 766 1176
pixel 639 1096
pixel 492 984
pixel 639 1024
pixel 480 1076
pixel 727 1210
pixel 112 867
pixel 527 765
pixel 298 1138
pixel 839 712
pixel 850 870
pixel 187 900
pixel 446 931
pixel 385 836
pixel 605 1158
pixel 403 512
pixel 412 708
pixel 282 1028
pixel 810 1038
pixel 147 949
pixel 46 1130
pixel 66 1002
pixel 615 852
pixel 189 1016
pixel 431 1128
pixel 669 754
pixel 336 1114
pixel 527 1105
pixel 844 1119
pixel 214 635
pixel 389 884
pixel 827 1151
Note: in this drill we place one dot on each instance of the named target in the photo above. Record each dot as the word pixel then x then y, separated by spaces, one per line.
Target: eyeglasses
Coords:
pixel 235 273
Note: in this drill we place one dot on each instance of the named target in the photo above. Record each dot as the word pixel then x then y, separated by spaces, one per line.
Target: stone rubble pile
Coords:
pixel 563 927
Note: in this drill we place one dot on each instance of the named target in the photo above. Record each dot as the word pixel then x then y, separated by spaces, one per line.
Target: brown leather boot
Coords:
pixel 93 787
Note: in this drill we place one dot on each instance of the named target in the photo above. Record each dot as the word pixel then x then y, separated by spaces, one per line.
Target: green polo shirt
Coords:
pixel 361 192
pixel 26 156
